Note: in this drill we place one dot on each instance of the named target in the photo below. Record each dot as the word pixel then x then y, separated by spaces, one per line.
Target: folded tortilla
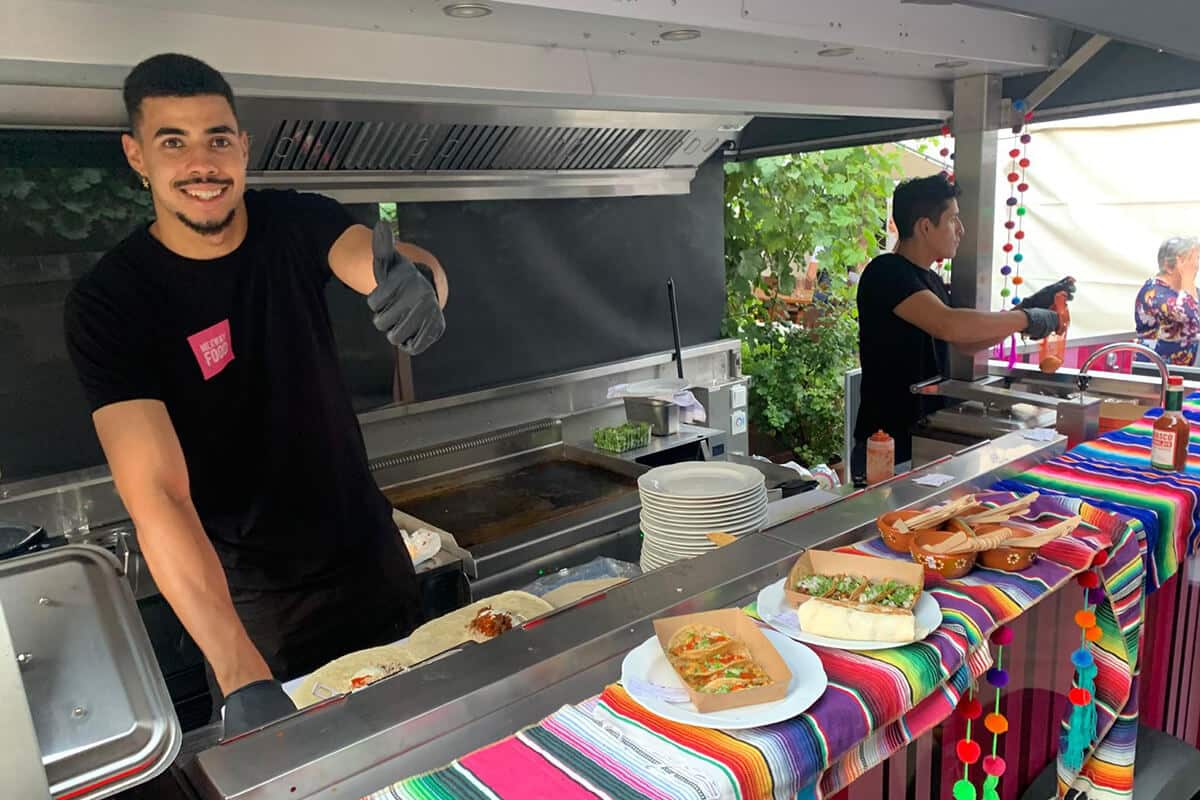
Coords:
pixel 338 676
pixel 698 642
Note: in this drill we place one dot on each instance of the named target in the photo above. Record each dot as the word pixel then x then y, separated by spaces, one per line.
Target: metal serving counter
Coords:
pixel 424 718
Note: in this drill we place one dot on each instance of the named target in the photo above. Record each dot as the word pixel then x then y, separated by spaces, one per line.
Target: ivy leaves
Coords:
pixel 69 205
pixel 780 212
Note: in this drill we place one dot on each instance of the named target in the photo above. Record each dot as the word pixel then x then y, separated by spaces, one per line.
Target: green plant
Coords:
pixel 796 388
pixel 53 208
pixel 780 212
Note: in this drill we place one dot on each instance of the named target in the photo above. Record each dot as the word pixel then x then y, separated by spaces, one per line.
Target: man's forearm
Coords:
pixel 186 569
pixel 982 344
pixel 964 325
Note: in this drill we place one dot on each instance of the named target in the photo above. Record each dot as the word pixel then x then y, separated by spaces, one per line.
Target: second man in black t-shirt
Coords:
pixel 906 322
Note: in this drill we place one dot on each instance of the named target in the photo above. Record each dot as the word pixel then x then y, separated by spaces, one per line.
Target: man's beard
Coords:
pixel 208 228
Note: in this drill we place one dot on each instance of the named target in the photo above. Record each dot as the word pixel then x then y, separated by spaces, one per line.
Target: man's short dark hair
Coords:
pixel 172 75
pixel 921 198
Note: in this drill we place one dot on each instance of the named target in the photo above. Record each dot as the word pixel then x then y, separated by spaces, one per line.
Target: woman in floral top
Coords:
pixel 1167 312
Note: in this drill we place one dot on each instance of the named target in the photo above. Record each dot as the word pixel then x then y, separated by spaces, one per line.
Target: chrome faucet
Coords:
pixel 1084 378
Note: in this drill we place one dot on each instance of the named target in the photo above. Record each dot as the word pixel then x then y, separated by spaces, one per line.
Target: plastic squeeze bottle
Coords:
pixel 881 457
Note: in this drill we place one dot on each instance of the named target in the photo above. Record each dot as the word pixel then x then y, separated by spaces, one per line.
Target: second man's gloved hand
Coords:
pixel 1044 297
pixel 405 303
pixel 255 705
pixel 1042 322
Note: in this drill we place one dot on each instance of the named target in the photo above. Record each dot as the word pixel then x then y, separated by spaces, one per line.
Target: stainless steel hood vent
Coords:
pixel 371 152
pixel 328 145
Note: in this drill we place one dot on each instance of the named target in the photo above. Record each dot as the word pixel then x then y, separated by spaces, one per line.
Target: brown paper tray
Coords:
pixel 737 624
pixel 824 562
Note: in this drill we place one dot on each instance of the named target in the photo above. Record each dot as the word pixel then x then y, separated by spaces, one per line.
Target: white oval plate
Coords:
pixel 706 504
pixel 685 519
pixel 648 663
pixel 708 480
pixel 704 526
pixel 775 612
pixel 750 526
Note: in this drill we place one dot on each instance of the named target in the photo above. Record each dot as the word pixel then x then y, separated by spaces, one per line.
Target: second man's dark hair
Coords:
pixel 172 75
pixel 921 198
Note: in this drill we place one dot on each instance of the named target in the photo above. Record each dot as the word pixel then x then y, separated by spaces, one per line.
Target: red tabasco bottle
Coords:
pixel 1169 447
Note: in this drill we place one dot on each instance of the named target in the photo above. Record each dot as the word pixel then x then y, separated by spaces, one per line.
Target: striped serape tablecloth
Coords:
pixel 1114 472
pixel 877 702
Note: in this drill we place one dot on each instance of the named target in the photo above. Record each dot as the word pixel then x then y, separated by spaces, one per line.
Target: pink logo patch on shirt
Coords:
pixel 213 348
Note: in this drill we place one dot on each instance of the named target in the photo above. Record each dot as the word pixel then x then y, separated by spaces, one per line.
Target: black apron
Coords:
pixel 299 630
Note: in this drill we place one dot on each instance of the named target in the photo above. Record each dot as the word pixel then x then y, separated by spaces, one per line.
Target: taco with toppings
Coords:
pixel 697 642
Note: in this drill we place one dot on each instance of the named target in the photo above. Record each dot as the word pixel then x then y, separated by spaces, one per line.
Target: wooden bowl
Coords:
pixel 948 566
pixel 1008 559
pixel 896 540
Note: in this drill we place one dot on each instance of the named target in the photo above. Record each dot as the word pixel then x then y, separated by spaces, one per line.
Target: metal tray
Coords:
pixel 101 711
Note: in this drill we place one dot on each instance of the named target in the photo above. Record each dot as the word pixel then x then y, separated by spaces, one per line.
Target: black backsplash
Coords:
pixel 537 287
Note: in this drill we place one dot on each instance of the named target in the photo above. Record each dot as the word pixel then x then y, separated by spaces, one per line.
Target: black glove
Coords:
pixel 405 303
pixel 254 705
pixel 1042 322
pixel 1044 298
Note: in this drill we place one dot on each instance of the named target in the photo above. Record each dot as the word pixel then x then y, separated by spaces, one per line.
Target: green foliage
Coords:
pixel 81 206
pixel 779 212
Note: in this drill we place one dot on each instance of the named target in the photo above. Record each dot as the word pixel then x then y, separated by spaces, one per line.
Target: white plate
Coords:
pixel 670 554
pixel 654 497
pixel 654 528
pixel 702 505
pixel 776 613
pixel 708 480
pixel 740 519
pixel 647 662
pixel 703 512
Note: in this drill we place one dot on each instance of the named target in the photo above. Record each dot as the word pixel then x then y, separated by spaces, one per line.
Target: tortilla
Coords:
pixel 451 630
pixel 574 592
pixel 338 676
pixel 697 642
pixel 699 671
pixel 723 685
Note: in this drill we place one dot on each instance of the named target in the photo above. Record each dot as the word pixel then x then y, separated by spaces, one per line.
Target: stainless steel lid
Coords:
pixel 100 709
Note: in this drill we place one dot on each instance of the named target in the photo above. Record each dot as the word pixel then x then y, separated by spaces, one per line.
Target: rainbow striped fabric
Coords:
pixel 877 702
pixel 1114 472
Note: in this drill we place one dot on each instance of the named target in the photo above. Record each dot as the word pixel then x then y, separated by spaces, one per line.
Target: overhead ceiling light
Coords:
pixel 467 10
pixel 952 64
pixel 680 35
pixel 835 52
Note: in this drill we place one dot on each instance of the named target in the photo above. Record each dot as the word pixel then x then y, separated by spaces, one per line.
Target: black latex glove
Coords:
pixel 1044 297
pixel 254 705
pixel 405 303
pixel 1042 322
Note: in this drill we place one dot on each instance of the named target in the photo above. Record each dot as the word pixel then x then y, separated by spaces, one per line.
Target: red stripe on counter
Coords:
pixel 587 601
pixel 120 776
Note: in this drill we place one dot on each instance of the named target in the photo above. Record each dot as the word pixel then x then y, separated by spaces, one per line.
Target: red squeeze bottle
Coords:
pixel 1053 349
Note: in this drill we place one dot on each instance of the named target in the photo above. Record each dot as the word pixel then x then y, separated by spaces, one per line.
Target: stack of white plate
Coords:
pixel 683 503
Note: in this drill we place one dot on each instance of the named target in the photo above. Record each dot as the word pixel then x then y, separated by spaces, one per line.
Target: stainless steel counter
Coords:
pixel 420 720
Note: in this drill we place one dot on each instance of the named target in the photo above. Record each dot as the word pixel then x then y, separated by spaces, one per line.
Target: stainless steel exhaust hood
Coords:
pixel 368 152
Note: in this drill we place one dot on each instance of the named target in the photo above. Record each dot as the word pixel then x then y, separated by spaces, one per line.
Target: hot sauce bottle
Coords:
pixel 1169 447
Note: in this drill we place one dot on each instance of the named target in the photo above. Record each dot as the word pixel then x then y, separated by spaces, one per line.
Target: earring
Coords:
pixel 145 182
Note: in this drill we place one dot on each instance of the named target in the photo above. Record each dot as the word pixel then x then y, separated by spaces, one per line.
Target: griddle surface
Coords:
pixel 491 509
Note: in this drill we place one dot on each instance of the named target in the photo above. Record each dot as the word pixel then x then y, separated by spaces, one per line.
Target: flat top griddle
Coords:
pixel 494 507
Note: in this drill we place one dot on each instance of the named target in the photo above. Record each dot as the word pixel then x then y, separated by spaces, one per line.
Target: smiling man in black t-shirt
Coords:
pixel 205 349
pixel 906 323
